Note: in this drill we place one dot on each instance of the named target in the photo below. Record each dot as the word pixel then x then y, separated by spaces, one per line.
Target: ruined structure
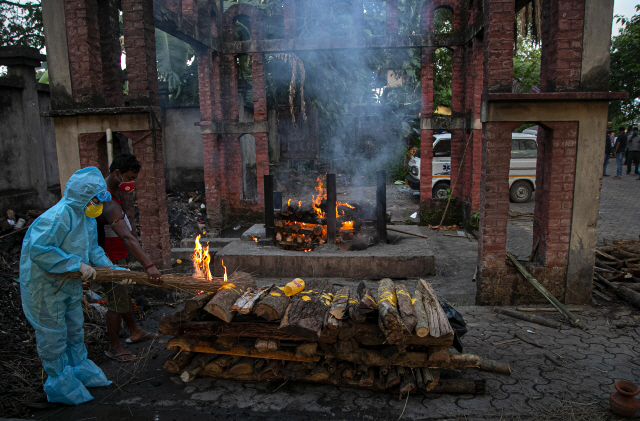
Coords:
pixel 571 110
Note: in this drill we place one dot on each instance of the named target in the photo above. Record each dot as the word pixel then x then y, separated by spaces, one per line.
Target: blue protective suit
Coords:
pixel 57 242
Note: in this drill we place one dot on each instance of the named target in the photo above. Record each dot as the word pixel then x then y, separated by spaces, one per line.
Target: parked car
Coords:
pixel 522 168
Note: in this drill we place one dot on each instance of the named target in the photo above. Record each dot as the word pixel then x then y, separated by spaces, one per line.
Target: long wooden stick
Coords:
pixel 169 281
pixel 529 318
pixel 553 300
pixel 405 232
pixel 455 182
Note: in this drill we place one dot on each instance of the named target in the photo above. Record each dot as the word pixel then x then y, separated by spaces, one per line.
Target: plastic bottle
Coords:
pixel 293 287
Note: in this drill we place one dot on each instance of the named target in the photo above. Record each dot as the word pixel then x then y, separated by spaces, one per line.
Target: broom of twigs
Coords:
pixel 169 281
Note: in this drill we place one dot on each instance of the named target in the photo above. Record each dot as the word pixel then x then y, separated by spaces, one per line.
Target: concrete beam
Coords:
pixel 183 29
pixel 235 128
pixel 55 35
pixel 596 44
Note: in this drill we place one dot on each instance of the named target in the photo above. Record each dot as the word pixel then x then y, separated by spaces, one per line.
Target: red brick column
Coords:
pixel 458 139
pixel 561 59
pixel 499 22
pixel 289 19
pixel 151 195
pixel 140 43
pixel 211 180
pixel 112 76
pixel 93 151
pixel 189 10
pixel 259 115
pixel 426 136
pixel 205 88
pixel 83 44
pixel 391 10
pixel 475 152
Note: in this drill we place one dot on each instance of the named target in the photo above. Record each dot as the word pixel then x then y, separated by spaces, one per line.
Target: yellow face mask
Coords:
pixel 93 211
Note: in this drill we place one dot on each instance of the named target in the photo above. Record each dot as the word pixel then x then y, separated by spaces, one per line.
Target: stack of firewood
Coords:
pixel 618 268
pixel 396 341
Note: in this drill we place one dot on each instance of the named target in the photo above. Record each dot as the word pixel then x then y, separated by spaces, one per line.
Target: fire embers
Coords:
pixel 304 227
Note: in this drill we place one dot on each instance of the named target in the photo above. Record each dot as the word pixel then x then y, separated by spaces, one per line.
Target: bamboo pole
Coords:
pixel 408 233
pixel 553 300
pixel 169 281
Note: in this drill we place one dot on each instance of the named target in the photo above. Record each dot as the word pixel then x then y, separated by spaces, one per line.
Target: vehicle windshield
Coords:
pixel 442 147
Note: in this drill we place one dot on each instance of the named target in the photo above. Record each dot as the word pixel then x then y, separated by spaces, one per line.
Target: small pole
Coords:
pixel 269 230
pixel 381 205
pixel 331 208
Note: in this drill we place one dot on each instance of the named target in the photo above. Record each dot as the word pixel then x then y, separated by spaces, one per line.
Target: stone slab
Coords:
pixel 214 243
pixel 403 256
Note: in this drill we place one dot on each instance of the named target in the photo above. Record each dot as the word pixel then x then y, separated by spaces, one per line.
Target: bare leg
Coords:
pixel 113 331
pixel 134 329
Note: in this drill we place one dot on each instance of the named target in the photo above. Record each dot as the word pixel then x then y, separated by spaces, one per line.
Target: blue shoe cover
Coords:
pixel 66 389
pixel 90 374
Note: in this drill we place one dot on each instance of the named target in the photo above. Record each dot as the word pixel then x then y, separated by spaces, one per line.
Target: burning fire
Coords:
pixel 289 202
pixel 225 270
pixel 317 200
pixel 348 225
pixel 255 239
pixel 201 260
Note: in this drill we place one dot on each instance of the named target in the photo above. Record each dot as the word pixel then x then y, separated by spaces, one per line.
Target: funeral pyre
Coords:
pixel 303 226
pixel 349 337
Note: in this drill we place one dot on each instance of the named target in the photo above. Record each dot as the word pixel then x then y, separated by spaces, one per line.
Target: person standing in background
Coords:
pixel 633 145
pixel 607 152
pixel 621 144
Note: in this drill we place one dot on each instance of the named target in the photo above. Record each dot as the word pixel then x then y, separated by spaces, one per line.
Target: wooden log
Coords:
pixel 177 362
pixel 243 367
pixel 196 365
pixel 401 371
pixel 279 223
pixel 332 323
pixel 339 304
pixel 547 309
pixel 408 385
pixel 632 286
pixel 419 381
pixel 367 378
pixel 368 302
pixel 319 373
pixel 218 365
pixel 271 371
pixel 437 319
pixel 389 318
pixel 393 379
pixel 240 349
pixel 331 364
pixel 629 296
pixel 361 369
pixel 353 307
pixel 523 338
pixel 211 329
pixel 267 345
pixel 170 323
pixel 347 370
pixel 431 378
pixel 528 317
pixel 439 354
pixel 222 302
pixel 258 365
pixel 495 367
pixel 422 323
pixel 245 303
pixel 307 350
pixel 306 314
pixel 384 369
pixel 317 230
pixel 273 305
pixel 405 308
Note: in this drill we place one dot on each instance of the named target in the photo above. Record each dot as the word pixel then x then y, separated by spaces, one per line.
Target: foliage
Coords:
pixel 177 67
pixel 432 215
pixel 526 63
pixel 625 71
pixel 21 23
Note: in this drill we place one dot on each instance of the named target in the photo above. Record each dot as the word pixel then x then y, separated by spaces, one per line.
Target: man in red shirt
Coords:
pixel 116 238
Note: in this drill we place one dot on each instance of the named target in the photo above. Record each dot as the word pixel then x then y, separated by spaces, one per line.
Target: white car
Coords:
pixel 522 169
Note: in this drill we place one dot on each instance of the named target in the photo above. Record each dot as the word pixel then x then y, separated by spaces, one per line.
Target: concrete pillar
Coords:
pixel 596 44
pixel 55 34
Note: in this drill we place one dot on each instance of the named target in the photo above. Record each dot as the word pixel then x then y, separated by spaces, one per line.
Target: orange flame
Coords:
pixel 299 203
pixel 201 260
pixel 289 202
pixel 225 270
pixel 255 239
pixel 348 225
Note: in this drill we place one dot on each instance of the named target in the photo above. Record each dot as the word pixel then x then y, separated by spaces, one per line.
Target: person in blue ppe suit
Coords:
pixel 64 239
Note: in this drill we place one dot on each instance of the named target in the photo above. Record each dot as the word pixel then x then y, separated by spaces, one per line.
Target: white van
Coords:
pixel 522 169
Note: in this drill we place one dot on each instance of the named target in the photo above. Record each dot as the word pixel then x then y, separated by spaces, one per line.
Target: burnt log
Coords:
pixel 170 323
pixel 177 362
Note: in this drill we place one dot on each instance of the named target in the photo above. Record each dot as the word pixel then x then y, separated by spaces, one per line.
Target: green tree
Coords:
pixel 625 71
pixel 526 61
pixel 21 24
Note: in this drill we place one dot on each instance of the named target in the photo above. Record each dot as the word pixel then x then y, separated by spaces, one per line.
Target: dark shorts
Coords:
pixel 118 295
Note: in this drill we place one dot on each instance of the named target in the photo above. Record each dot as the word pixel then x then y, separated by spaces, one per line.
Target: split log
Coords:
pixel 319 373
pixel 438 322
pixel 368 302
pixel 422 323
pixel 306 314
pixel 430 377
pixel 267 345
pixel 367 378
pixel 389 318
pixel 271 371
pixel 495 367
pixel 528 317
pixel 246 302
pixel 339 304
pixel 347 371
pixel 177 362
pixel 221 303
pixel 219 365
pixel 169 323
pixel 439 355
pixel 332 323
pixel 240 349
pixel 353 307
pixel 243 367
pixel 273 305
pixel 307 350
pixel 408 385
pixel 405 308
pixel 419 382
pixel 317 230
pixel 197 365
pixel 393 379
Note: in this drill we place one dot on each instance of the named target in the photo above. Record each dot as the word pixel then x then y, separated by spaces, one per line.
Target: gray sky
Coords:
pixel 626 8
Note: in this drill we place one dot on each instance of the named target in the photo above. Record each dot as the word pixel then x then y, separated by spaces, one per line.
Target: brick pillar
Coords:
pixel 391 10
pixel 212 191
pixel 205 88
pixel 151 196
pixel 499 24
pixel 112 76
pixel 229 87
pixel 289 19
pixel 426 136
pixel 140 43
pixel 561 54
pixel 189 10
pixel 175 6
pixel 259 115
pixel 555 175
pixel 83 44
pixel 475 152
pixel 93 151
pixel 458 139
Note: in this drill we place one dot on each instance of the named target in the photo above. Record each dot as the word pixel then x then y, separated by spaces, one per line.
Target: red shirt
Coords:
pixel 107 238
